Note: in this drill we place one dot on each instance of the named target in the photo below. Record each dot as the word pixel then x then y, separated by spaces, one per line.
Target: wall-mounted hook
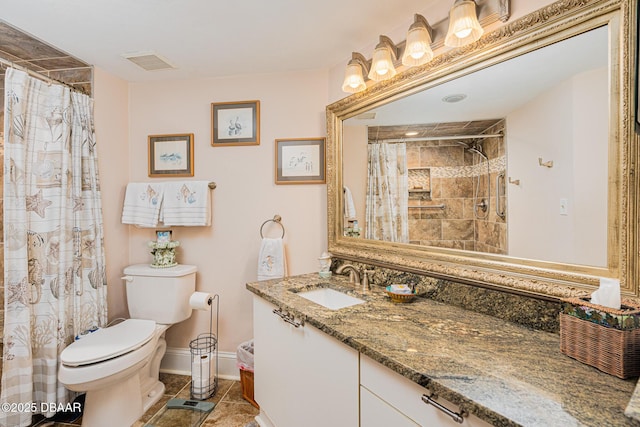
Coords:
pixel 514 181
pixel 548 164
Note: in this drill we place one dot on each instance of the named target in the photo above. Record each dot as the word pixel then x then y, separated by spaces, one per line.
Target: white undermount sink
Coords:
pixel 330 298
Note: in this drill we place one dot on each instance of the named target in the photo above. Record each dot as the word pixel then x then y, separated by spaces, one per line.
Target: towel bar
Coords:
pixel 277 219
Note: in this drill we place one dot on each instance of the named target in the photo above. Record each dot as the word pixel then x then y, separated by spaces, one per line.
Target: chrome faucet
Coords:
pixel 354 274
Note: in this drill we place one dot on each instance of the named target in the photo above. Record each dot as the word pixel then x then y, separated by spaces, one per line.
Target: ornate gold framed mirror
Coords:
pixel 527 184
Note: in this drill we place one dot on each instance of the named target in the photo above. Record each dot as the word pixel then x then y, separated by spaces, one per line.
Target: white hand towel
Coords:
pixel 271 261
pixel 349 206
pixel 142 203
pixel 187 203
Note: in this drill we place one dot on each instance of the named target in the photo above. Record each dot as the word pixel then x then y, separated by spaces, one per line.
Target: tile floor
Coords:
pixel 231 409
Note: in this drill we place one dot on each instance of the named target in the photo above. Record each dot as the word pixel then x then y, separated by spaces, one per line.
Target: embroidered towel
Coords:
pixel 271 261
pixel 187 203
pixel 349 207
pixel 142 202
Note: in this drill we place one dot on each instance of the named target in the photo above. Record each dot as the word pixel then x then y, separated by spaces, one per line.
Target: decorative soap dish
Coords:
pixel 399 297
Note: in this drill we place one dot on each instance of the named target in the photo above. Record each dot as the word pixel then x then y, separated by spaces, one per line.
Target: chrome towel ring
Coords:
pixel 278 220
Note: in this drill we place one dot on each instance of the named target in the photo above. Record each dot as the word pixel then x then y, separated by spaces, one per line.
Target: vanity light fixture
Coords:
pixel 417 49
pixel 385 53
pixel 357 68
pixel 464 27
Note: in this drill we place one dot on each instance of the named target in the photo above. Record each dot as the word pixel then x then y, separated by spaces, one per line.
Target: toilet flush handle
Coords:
pixel 127 279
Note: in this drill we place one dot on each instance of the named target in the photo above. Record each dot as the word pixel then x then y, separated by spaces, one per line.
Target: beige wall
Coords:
pixel 112 123
pixel 579 174
pixel 226 253
pixel 292 106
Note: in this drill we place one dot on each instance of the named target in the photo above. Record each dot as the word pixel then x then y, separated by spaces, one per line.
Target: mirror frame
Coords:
pixel 548 25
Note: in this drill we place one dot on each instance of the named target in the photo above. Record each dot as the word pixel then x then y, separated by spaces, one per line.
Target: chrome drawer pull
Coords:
pixel 457 417
pixel 287 317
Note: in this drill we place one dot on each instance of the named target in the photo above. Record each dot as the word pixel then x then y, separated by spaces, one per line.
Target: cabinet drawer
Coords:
pixel 406 396
pixel 375 412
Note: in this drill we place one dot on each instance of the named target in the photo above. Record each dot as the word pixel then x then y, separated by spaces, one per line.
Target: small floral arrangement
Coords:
pixel 164 253
pixel 163 245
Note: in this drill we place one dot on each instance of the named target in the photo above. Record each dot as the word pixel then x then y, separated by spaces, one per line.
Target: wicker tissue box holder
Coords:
pixel 602 337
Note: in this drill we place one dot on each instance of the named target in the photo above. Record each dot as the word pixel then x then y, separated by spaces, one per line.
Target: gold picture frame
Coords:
pixel 300 161
pixel 171 155
pixel 235 123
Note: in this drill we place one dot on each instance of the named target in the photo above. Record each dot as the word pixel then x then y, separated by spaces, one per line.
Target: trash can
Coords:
pixel 245 364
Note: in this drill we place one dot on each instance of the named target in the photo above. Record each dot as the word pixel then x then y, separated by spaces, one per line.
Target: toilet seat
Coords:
pixel 109 343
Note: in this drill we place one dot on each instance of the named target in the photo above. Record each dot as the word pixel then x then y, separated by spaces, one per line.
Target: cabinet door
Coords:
pixel 406 396
pixel 375 412
pixel 303 377
pixel 272 359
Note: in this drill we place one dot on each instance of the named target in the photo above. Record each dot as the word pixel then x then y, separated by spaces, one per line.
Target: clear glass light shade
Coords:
pixel 382 64
pixel 464 27
pixel 353 79
pixel 417 50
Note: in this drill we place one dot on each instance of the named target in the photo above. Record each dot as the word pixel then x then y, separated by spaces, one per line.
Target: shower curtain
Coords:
pixel 54 271
pixel 387 216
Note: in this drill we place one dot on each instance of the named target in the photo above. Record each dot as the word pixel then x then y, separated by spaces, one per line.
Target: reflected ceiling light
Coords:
pixel 456 97
pixel 417 49
pixel 382 67
pixel 357 68
pixel 411 133
pixel 464 27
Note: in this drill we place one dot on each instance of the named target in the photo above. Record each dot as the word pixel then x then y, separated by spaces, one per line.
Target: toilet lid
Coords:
pixel 108 343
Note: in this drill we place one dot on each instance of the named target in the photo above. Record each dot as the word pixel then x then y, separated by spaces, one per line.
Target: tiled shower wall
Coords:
pixel 491 232
pixel 445 216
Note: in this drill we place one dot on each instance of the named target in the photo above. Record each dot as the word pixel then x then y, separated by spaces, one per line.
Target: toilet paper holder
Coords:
pixel 204 349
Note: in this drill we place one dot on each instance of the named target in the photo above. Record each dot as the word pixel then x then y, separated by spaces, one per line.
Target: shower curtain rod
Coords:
pixel 37 75
pixel 438 138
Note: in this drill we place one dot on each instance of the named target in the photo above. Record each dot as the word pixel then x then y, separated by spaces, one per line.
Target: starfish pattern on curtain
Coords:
pixel 54 269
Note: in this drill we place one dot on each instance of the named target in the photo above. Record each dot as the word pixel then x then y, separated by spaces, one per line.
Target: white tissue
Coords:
pixel 608 294
pixel 200 301
pixel 202 374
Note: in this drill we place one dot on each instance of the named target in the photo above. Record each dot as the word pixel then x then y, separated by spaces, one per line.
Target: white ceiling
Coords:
pixel 495 91
pixel 212 38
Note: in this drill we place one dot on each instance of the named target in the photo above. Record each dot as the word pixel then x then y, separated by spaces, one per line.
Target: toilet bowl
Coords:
pixel 118 366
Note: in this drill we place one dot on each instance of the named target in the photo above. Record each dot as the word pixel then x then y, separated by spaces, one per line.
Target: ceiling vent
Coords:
pixel 149 61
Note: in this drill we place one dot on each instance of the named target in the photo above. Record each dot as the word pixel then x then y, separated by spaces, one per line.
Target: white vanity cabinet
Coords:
pixel 387 398
pixel 303 377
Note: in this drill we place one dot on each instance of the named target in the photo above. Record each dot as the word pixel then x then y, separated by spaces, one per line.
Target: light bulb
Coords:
pixel 463 33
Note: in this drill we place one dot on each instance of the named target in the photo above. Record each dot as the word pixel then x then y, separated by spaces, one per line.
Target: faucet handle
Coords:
pixel 366 281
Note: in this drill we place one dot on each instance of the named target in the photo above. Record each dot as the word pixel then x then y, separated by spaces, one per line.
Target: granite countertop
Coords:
pixel 504 373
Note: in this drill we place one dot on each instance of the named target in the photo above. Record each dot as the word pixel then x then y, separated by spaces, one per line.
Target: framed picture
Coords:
pixel 235 123
pixel 171 155
pixel 163 236
pixel 300 161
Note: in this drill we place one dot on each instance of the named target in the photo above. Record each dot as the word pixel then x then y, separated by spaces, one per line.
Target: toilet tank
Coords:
pixel 160 294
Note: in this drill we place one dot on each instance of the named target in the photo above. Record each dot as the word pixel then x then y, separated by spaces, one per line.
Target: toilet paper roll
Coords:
pixel 200 301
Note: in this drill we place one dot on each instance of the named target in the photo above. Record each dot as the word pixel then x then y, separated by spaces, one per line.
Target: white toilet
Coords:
pixel 118 366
